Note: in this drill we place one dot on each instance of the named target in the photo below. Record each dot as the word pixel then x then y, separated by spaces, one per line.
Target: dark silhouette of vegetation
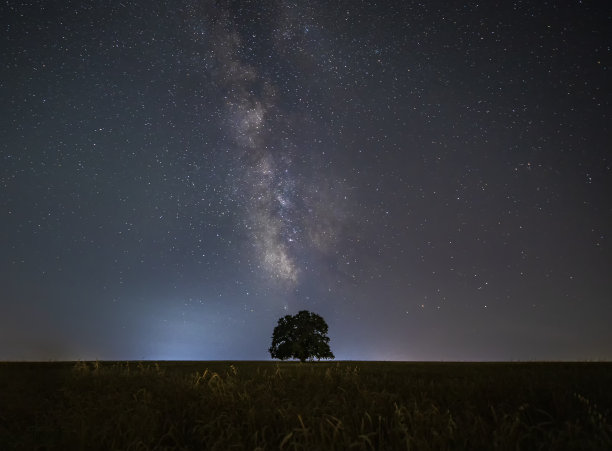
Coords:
pixel 302 336
pixel 332 406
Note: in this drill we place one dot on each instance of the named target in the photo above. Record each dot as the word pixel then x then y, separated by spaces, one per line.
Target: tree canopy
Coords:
pixel 302 336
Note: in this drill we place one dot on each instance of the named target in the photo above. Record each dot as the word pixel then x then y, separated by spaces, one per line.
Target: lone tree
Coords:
pixel 302 336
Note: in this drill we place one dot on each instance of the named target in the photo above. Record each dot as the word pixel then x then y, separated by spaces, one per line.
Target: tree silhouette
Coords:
pixel 302 336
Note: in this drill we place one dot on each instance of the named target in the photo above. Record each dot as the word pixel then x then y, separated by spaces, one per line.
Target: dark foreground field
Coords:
pixel 313 406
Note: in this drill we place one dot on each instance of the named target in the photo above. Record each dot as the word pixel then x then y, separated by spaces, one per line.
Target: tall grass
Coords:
pixel 317 406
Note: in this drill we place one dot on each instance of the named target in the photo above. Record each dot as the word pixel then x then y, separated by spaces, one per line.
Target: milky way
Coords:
pixel 283 216
pixel 265 184
pixel 431 178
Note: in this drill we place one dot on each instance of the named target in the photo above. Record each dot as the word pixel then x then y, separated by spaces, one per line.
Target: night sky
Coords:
pixel 433 178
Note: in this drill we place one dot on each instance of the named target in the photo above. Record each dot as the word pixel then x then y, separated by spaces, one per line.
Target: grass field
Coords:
pixel 312 406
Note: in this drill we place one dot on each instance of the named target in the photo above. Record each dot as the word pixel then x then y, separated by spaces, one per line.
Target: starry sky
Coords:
pixel 432 178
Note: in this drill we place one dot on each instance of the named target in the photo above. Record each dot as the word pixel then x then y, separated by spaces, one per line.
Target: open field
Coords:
pixel 312 406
